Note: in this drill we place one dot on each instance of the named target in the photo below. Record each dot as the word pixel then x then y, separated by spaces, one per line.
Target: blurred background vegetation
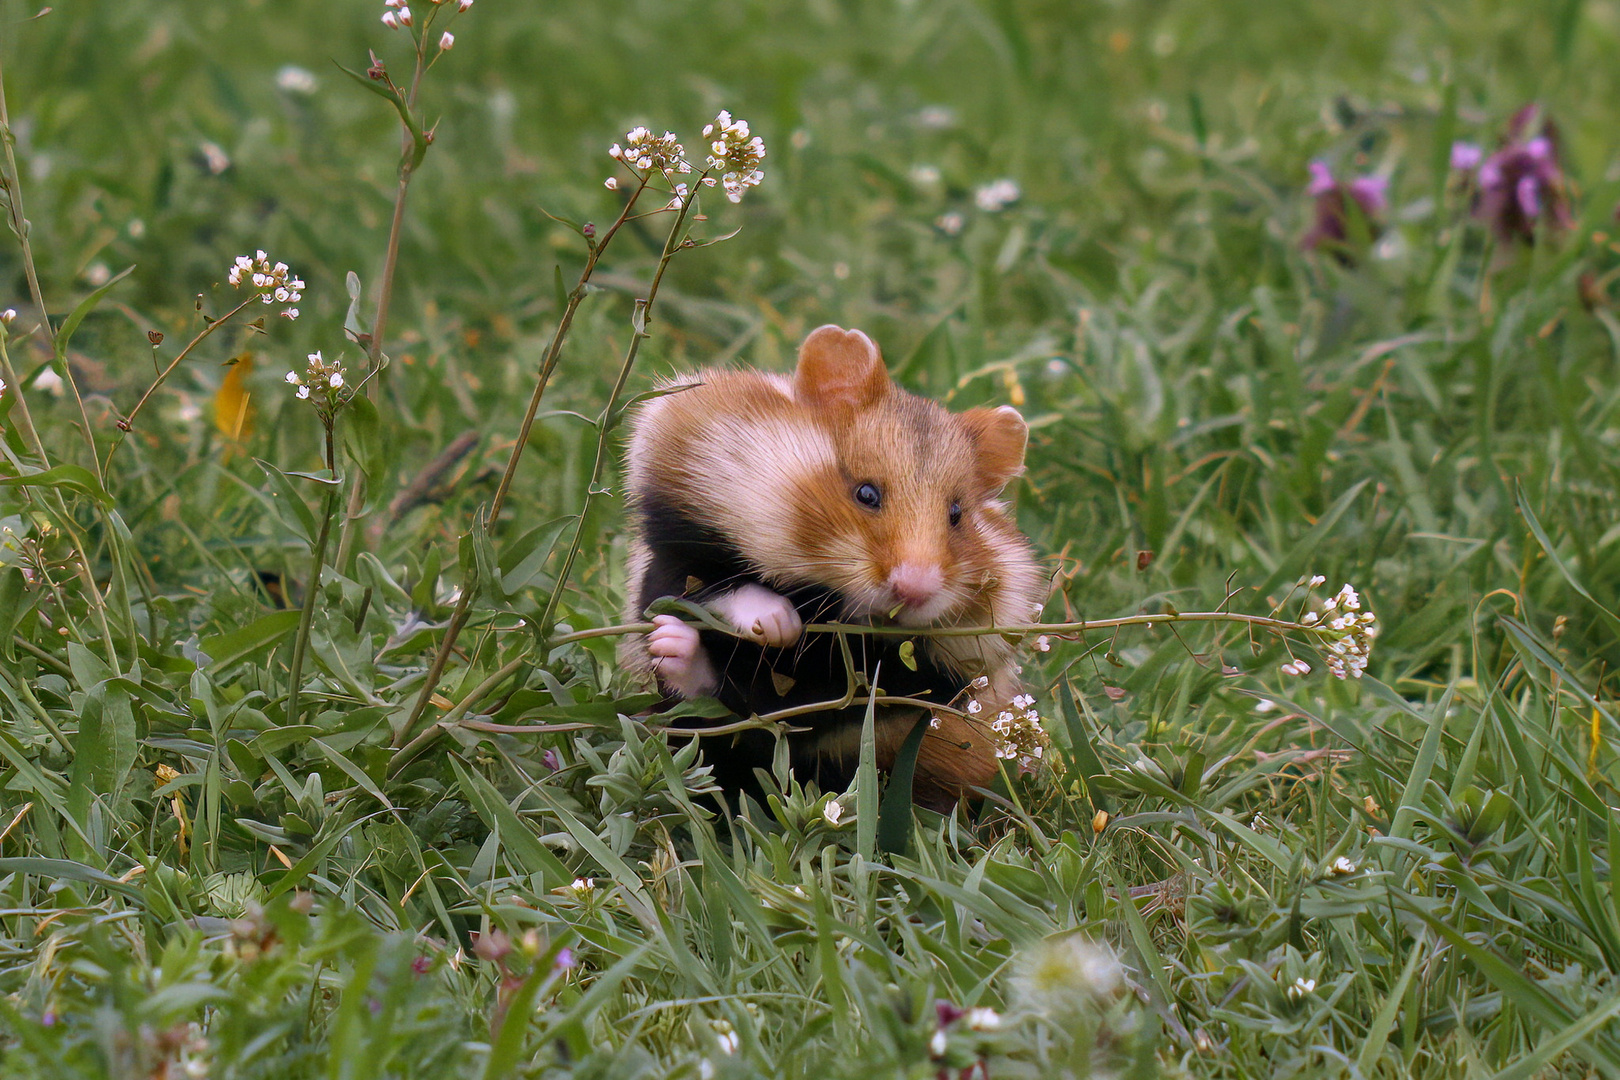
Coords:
pixel 1210 403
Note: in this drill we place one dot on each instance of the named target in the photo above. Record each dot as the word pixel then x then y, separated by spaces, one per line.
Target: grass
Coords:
pixel 198 879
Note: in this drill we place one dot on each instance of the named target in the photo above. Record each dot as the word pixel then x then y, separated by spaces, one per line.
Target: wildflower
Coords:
pixel 997 195
pixel 611 183
pixel 645 151
pixel 832 812
pixel 274 283
pixel 982 1019
pixel 583 886
pixel 936 1045
pixel 404 16
pixel 1522 183
pixel 735 154
pixel 1310 618
pixel 933 721
pixel 1331 225
pixel 565 960
pixel 294 80
pixel 446 40
pixel 1342 867
pixel 1043 644
pixel 1299 988
pixel 1317 579
pixel 1259 823
pixel 974 707
pixel 463 5
pixel 8 316
pixel 981 682
pixel 1068 970
pixel 950 223
pixel 390 20
pixel 726 1035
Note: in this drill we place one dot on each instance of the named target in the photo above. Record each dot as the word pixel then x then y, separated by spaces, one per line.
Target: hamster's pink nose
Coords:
pixel 915 584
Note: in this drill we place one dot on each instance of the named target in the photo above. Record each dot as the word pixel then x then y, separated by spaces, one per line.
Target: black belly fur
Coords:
pixel 691 560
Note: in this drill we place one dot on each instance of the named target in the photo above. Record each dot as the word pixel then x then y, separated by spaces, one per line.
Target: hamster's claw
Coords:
pixel 769 618
pixel 679 660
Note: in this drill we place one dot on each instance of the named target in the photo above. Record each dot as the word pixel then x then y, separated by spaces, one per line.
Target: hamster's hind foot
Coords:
pixel 679 659
pixel 768 617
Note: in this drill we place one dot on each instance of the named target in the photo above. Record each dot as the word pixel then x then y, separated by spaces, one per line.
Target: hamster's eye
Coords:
pixel 869 496
pixel 956 514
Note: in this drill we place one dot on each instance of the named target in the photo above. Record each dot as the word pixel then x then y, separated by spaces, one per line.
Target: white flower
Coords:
pixel 8 316
pixel 446 40
pixel 303 393
pixel 983 1019
pixel 832 812
pixel 1043 644
pixel 583 886
pixel 981 682
pixel 404 16
pixel 1299 988
pixel 1317 579
pixel 974 707
pixel 933 723
pixel 728 1040
pixel 950 223
pixel 274 283
pixel 390 20
pixel 335 380
pixel 1310 618
pixel 463 5
pixel 1342 867
pixel 295 80
pixel 292 377
pixel 997 195
pixel 936 1045
pixel 736 154
pixel 611 183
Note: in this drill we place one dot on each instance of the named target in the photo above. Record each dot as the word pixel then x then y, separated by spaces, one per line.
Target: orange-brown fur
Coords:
pixel 770 462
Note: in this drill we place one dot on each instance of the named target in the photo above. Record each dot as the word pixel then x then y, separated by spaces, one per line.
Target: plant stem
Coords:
pixel 385 301
pixel 128 423
pixel 307 615
pixel 19 225
pixel 463 610
pixel 609 420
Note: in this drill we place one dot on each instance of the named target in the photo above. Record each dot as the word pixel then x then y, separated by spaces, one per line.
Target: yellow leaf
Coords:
pixel 233 404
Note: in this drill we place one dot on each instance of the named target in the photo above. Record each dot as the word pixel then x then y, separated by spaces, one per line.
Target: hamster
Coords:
pixel 830 495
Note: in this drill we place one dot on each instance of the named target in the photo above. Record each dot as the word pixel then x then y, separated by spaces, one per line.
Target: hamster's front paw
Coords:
pixel 679 659
pixel 769 618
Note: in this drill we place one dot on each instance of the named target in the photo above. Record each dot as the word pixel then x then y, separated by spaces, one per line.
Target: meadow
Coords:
pixel 312 765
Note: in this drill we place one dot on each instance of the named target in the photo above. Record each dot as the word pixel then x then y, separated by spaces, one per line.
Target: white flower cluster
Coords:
pixel 1019 734
pixel 1348 654
pixel 1299 988
pixel 734 154
pixel 318 375
pixel 399 14
pixel 275 283
pixel 997 195
pixel 1342 867
pixel 645 151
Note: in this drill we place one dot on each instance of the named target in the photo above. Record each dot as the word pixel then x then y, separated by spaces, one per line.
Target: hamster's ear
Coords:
pixel 839 367
pixel 998 437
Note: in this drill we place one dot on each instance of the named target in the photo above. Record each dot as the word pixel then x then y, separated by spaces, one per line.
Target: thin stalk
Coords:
pixel 19 225
pixel 463 610
pixel 127 424
pixel 307 615
pixel 1068 629
pixel 385 301
pixel 608 420
pixel 412 749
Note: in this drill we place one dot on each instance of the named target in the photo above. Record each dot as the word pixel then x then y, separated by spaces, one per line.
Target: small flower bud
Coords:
pixel 446 41
pixel 390 20
pixel 405 16
pixel 463 5
pixel 8 316
pixel 611 183
pixel 588 230
pixel 155 337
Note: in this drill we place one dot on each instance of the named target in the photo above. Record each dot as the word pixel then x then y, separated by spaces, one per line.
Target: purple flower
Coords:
pixel 1522 185
pixel 551 761
pixel 565 959
pixel 1330 224
pixel 1465 156
pixel 948 1013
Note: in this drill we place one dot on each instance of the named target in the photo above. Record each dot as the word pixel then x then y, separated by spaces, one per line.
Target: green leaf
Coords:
pixel 290 506
pixel 1530 519
pixel 68 870
pixel 62 478
pixel 523 559
pixel 85 307
pixel 234 646
pixel 520 841
pixel 362 436
pixel 1302 551
pixel 894 816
